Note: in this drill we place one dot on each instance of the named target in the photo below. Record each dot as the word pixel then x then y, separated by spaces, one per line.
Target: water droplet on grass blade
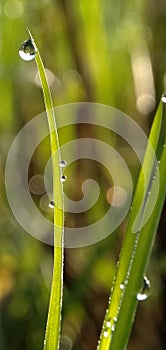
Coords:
pixel 146 290
pixel 27 50
pixel 122 286
pixel 163 98
pixel 63 178
pixel 105 334
pixel 51 204
pixel 113 328
pixel 108 324
pixel 62 163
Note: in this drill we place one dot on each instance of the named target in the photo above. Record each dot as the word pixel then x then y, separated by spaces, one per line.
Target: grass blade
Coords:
pixel 138 242
pixel 54 315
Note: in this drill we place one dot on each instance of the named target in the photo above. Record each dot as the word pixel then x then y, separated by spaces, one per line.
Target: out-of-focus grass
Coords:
pixel 91 50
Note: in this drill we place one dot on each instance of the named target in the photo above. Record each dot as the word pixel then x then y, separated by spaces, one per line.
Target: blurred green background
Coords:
pixel 110 52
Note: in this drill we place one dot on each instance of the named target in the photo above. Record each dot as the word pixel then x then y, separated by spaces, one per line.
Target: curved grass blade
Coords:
pixel 137 246
pixel 52 335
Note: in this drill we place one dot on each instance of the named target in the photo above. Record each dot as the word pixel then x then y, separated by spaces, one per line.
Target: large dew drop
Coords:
pixel 146 290
pixel 27 50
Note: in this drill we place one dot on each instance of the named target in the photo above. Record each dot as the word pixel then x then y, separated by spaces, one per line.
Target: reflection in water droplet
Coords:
pixel 146 290
pixel 163 98
pixel 51 204
pixel 27 50
pixel 62 163
pixel 63 178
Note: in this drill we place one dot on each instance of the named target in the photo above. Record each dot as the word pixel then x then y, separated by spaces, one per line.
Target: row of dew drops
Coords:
pixel 142 295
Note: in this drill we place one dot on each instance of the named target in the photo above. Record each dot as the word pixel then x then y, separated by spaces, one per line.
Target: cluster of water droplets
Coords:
pixel 27 50
pixel 145 290
pixel 109 327
pixel 143 294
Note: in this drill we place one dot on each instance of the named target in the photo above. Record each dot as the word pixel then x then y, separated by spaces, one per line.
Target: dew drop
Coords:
pixel 108 324
pixel 122 286
pixel 105 334
pixel 146 290
pixel 27 50
pixel 115 319
pixel 62 163
pixel 51 204
pixel 63 178
pixel 113 328
pixel 163 98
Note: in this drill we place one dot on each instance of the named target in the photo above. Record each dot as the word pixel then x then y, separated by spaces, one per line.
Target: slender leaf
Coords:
pixel 138 241
pixel 54 315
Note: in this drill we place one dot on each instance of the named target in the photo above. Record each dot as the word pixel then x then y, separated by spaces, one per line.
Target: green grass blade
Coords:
pixel 52 335
pixel 137 246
